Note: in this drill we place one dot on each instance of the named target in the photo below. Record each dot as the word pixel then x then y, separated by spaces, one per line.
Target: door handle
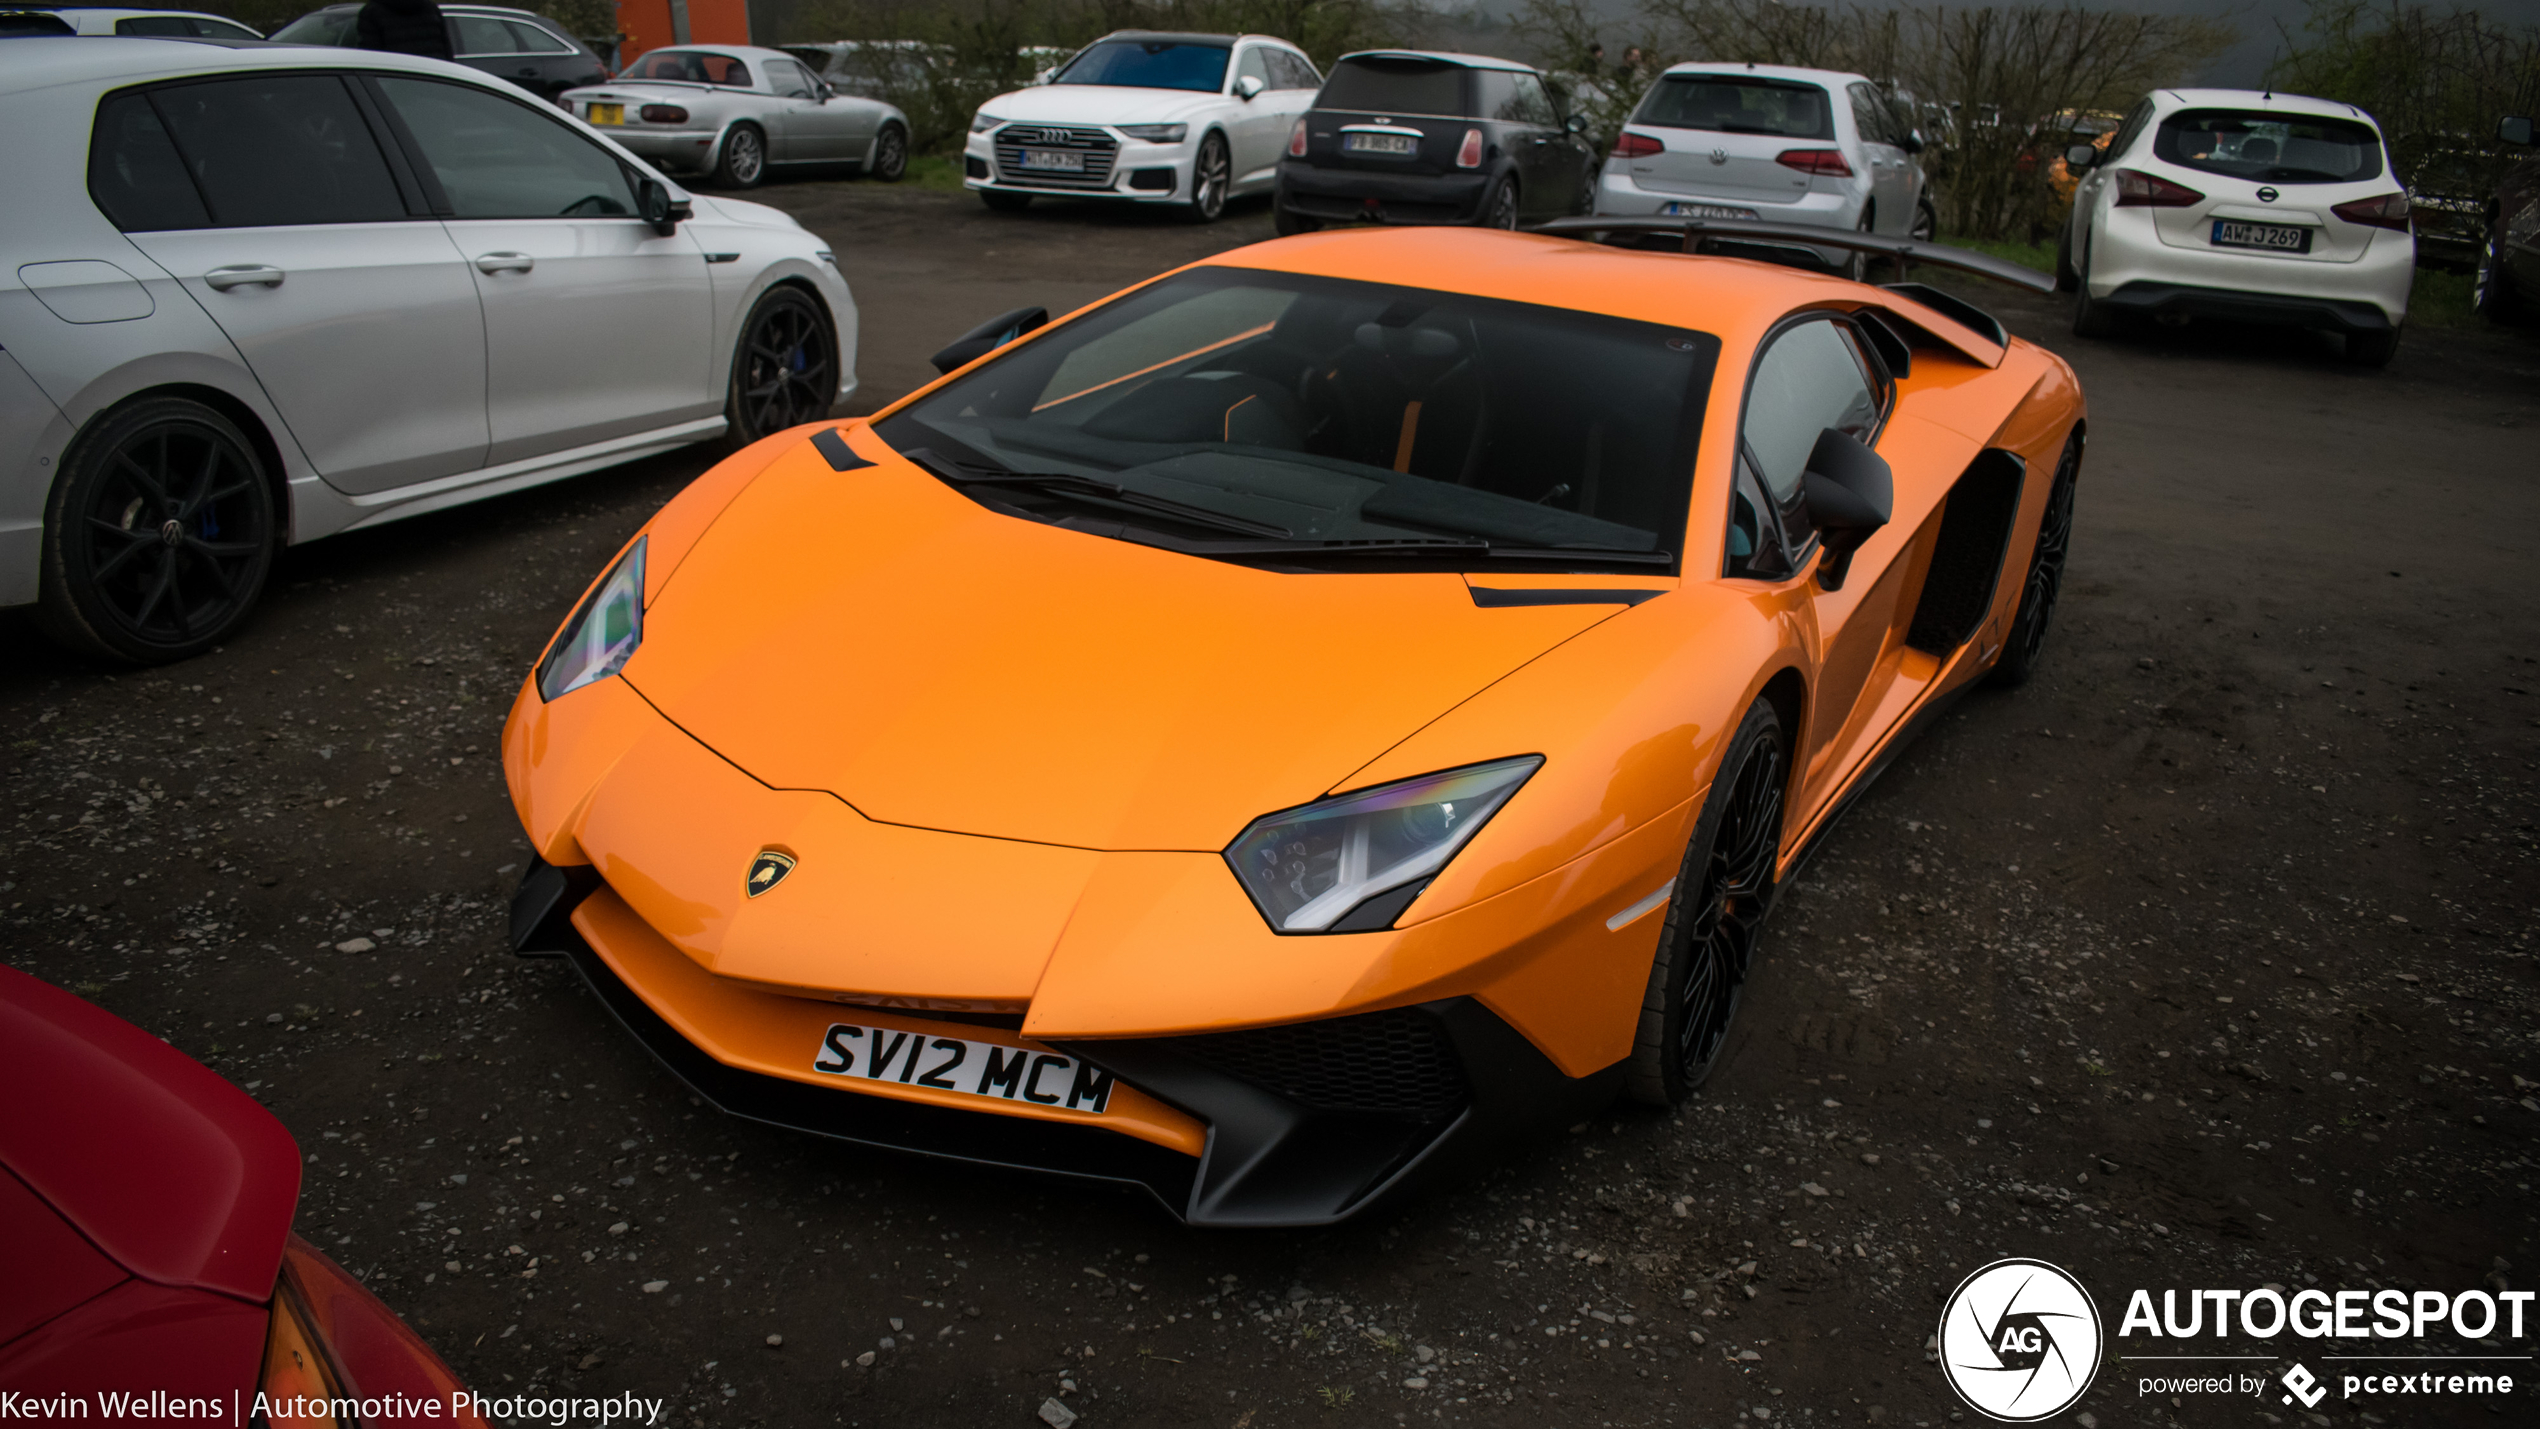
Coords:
pixel 243 275
pixel 504 262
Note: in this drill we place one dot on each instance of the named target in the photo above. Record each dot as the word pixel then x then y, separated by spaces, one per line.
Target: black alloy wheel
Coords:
pixel 1211 176
pixel 744 159
pixel 159 535
pixel 2027 642
pixel 785 371
pixel 1714 917
pixel 1500 209
pixel 2492 291
pixel 890 154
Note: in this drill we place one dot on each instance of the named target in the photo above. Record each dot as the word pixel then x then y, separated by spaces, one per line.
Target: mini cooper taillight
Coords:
pixel 1296 141
pixel 1470 155
pixel 1628 145
pixel 1824 163
pixel 2137 189
pixel 2388 211
pixel 662 114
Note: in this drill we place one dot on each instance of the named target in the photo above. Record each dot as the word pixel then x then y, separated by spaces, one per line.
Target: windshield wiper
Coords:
pixel 1069 483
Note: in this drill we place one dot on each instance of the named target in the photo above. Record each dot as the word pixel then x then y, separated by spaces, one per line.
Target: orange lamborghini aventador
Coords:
pixel 1285 729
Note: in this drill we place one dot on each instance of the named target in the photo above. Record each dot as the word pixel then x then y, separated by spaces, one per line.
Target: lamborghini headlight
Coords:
pixel 596 642
pixel 1156 133
pixel 1308 868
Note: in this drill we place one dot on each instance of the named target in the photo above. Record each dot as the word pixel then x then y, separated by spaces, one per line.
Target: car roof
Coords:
pixel 1441 56
pixel 738 52
pixel 1179 37
pixel 1813 76
pixel 2267 99
pixel 508 12
pixel 76 59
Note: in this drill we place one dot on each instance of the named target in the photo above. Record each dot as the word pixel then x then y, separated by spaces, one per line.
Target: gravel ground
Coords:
pixel 2203 961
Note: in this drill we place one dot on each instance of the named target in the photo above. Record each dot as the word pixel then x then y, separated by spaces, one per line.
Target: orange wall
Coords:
pixel 647 25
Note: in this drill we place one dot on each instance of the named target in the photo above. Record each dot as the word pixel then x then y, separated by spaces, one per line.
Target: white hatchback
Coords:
pixel 2242 206
pixel 1190 120
pixel 1773 143
pixel 257 296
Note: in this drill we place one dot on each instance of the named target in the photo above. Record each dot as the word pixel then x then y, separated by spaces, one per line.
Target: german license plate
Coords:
pixel 608 113
pixel 987 1070
pixel 1054 161
pixel 1705 210
pixel 1394 144
pixel 2273 237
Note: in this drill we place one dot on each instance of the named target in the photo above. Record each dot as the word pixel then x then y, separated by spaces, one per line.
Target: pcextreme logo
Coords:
pixel 2019 1340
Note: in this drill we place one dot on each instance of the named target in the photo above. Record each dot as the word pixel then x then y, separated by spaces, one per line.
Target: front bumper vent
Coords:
pixel 1392 1063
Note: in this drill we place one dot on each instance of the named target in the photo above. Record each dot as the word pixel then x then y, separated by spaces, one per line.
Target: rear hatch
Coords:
pixel 1390 114
pixel 2267 183
pixel 1724 135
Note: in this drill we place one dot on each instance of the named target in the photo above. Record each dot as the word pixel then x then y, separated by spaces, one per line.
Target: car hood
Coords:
pixel 1102 104
pixel 879 636
pixel 736 210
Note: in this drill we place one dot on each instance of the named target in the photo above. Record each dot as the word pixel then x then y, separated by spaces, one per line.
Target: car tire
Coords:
pixel 2026 643
pixel 743 160
pixel 1856 265
pixel 1212 174
pixel 1595 176
pixel 1002 202
pixel 890 154
pixel 1722 891
pixel 119 584
pixel 1287 222
pixel 2066 280
pixel 1499 209
pixel 2092 317
pixel 2492 291
pixel 2373 349
pixel 784 367
pixel 1926 227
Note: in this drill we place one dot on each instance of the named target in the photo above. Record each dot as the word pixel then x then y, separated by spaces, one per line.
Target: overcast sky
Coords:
pixel 2245 64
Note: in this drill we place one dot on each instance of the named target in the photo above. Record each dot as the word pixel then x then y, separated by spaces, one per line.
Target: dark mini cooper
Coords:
pixel 1410 136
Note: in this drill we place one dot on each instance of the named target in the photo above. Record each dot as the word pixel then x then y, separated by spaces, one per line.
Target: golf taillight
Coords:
pixel 2388 211
pixel 1824 163
pixel 2137 189
pixel 662 114
pixel 1628 145
pixel 1296 141
pixel 1469 156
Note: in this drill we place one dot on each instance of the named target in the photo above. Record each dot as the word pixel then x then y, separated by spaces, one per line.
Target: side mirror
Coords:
pixel 2081 156
pixel 2515 130
pixel 988 336
pixel 1850 496
pixel 1249 87
pixel 658 208
pixel 822 91
pixel 1914 142
pixel 1576 124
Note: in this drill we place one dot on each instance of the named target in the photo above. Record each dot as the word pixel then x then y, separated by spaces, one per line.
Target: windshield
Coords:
pixel 322 27
pixel 1149 64
pixel 690 67
pixel 1394 86
pixel 1731 104
pixel 1319 411
pixel 2269 148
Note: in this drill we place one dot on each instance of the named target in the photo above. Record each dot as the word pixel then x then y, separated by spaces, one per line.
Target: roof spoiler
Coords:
pixel 1782 235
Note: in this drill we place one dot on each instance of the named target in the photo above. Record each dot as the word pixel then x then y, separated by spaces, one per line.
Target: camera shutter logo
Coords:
pixel 2019 1340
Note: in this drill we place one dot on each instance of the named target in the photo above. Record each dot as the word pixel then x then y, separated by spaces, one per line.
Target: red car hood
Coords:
pixel 180 1177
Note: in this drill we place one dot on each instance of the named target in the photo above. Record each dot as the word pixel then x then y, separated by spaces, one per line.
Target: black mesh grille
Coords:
pixel 1393 1063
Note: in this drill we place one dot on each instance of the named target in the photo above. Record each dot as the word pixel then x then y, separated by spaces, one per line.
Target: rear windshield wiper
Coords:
pixel 1069 483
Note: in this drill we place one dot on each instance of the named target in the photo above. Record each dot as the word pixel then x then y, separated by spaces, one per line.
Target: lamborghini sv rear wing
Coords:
pixel 1744 232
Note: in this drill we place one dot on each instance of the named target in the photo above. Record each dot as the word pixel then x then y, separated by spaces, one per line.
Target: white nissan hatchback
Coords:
pixel 2242 206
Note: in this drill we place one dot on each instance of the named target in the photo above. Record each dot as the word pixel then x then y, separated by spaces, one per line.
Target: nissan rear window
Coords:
pixel 1386 86
pixel 2269 148
pixel 1735 104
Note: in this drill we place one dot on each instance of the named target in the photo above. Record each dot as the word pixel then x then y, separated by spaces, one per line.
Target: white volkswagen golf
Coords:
pixel 1190 120
pixel 250 296
pixel 2242 206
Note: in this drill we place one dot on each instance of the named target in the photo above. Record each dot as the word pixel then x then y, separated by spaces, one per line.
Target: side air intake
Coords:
pixel 1975 531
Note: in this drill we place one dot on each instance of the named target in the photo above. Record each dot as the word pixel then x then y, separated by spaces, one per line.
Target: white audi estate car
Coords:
pixel 1773 143
pixel 1146 117
pixel 735 111
pixel 2242 206
pixel 250 296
